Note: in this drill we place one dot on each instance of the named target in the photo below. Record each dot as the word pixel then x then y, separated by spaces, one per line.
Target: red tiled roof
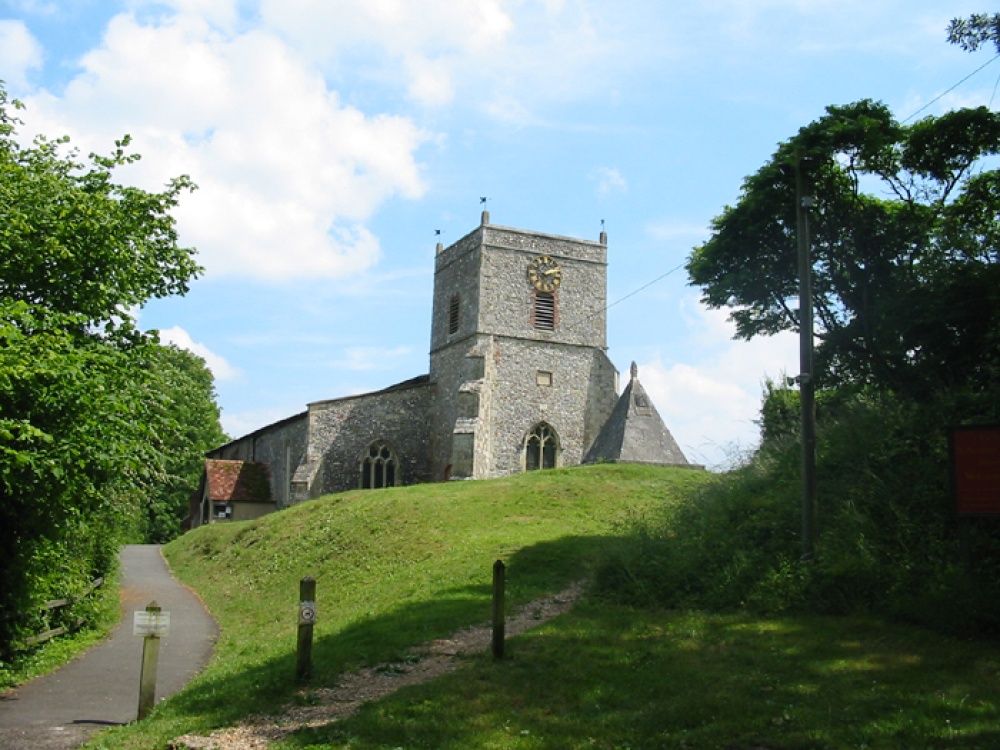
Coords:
pixel 237 481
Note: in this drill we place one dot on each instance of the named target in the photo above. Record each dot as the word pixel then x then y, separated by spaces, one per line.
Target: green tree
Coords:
pixel 75 241
pixel 76 457
pixel 93 412
pixel 184 397
pixel 905 243
pixel 973 32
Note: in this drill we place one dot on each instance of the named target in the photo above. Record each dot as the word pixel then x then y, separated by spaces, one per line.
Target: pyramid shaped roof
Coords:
pixel 635 433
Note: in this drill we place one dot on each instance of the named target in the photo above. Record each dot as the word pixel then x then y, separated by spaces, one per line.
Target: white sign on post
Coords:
pixel 151 623
pixel 307 613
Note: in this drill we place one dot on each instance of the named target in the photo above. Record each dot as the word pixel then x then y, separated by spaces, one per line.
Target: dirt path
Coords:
pixel 353 690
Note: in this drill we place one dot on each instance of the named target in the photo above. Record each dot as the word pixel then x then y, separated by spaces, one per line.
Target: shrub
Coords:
pixel 887 541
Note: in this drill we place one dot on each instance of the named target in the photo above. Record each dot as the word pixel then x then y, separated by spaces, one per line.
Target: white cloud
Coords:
pixel 421 44
pixel 38 7
pixel 288 174
pixel 430 80
pixel 609 181
pixel 242 423
pixel 221 13
pixel 371 357
pixel 20 53
pixel 710 396
pixel 683 230
pixel 180 338
pixel 916 107
pixel 505 57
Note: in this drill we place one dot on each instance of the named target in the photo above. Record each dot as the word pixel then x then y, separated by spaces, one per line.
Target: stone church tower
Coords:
pixel 518 344
pixel 519 380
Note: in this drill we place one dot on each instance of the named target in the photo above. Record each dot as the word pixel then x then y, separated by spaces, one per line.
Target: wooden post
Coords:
pixel 307 618
pixel 498 608
pixel 147 675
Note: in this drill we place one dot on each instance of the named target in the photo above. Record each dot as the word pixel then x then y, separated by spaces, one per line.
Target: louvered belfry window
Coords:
pixel 453 307
pixel 544 313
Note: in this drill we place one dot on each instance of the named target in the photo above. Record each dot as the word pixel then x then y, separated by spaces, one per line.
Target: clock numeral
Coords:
pixel 544 273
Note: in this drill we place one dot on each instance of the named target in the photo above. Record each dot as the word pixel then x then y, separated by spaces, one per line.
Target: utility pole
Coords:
pixel 807 385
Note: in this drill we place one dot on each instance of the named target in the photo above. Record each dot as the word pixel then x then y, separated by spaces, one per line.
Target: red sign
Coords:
pixel 975 470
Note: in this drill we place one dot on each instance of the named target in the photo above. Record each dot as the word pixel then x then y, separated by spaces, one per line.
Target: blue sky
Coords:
pixel 330 139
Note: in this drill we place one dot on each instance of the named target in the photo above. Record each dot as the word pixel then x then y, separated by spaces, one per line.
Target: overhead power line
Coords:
pixel 945 93
pixel 659 278
pixel 570 325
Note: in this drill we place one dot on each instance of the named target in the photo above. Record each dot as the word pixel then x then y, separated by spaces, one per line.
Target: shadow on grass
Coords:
pixel 221 698
pixel 611 677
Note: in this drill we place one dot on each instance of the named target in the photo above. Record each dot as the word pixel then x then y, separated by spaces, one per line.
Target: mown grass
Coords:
pixel 610 677
pixel 393 568
pixel 398 567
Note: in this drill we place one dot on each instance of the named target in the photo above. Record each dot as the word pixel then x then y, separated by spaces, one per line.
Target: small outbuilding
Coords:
pixel 232 491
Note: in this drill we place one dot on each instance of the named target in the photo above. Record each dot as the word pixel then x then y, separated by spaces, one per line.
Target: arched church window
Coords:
pixel 453 308
pixel 543 315
pixel 378 467
pixel 541 448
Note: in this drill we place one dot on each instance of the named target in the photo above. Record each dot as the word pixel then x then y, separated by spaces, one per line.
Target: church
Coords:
pixel 519 380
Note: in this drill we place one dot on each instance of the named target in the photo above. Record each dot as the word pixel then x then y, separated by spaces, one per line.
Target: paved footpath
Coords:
pixel 101 688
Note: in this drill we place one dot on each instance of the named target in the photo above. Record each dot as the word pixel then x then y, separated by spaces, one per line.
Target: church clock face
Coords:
pixel 544 273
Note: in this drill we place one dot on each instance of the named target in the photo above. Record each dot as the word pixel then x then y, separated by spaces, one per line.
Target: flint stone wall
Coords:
pixel 342 430
pixel 576 405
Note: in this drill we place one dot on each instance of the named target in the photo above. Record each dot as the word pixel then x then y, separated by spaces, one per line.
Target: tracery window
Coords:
pixel 541 448
pixel 378 467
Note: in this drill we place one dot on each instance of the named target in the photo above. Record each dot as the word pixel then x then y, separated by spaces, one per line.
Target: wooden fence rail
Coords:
pixel 55 604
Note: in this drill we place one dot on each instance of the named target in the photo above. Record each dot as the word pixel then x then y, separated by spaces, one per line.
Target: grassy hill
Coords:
pixel 393 568
pixel 399 567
